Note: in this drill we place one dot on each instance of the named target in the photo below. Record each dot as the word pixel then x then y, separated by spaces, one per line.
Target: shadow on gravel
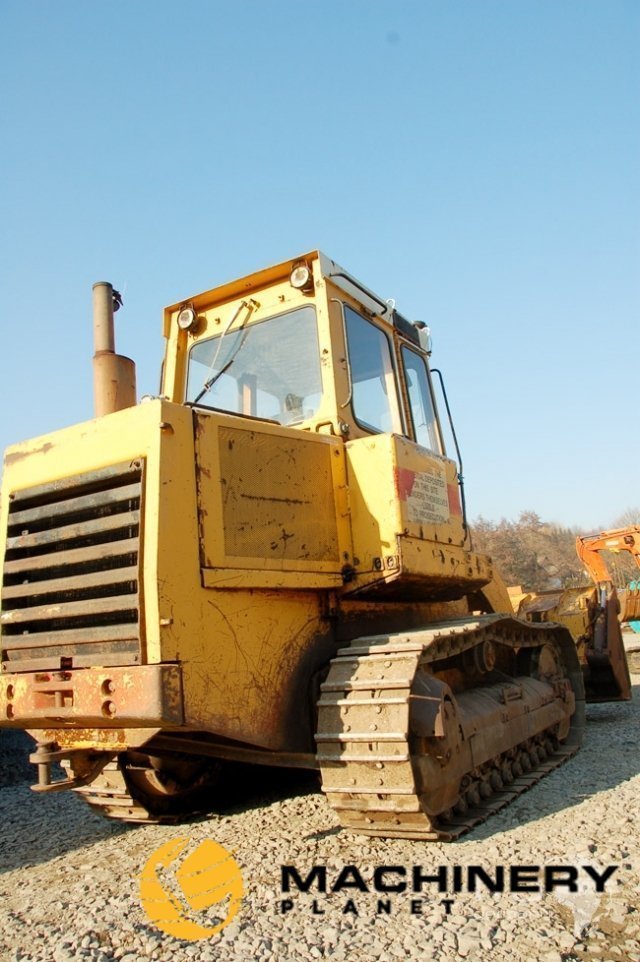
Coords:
pixel 256 786
pixel 15 746
pixel 34 829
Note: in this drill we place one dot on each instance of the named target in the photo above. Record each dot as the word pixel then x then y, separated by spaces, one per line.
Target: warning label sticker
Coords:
pixel 427 500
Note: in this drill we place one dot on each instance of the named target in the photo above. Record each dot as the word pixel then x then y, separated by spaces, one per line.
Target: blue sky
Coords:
pixel 476 160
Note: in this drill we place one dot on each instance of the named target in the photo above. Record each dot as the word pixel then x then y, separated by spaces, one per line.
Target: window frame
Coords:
pixel 405 346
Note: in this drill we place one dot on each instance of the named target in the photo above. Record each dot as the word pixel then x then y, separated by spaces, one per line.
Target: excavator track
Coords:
pixel 426 734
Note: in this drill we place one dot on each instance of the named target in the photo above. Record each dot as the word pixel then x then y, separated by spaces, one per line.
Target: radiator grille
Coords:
pixel 72 572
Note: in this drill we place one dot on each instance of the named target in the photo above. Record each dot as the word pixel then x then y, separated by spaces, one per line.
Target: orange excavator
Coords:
pixel 589 550
pixel 594 614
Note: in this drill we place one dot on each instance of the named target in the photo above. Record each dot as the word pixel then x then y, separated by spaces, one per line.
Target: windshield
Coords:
pixel 270 369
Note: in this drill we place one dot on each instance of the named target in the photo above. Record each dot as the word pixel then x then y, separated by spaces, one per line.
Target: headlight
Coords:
pixel 186 318
pixel 301 277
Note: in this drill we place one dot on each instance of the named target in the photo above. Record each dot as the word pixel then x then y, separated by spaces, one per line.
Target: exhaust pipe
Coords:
pixel 114 376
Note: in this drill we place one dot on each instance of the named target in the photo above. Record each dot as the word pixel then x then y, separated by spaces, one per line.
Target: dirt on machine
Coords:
pixel 270 563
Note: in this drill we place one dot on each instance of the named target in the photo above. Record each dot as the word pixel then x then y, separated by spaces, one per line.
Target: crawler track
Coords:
pixel 425 735
pixel 108 795
pixel 421 735
pixel 131 789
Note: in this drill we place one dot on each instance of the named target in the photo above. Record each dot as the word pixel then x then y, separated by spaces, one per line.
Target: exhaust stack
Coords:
pixel 114 376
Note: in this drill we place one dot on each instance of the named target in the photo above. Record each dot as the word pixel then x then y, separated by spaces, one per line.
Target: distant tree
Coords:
pixel 530 552
pixel 529 519
pixel 629 516
pixel 622 568
pixel 541 556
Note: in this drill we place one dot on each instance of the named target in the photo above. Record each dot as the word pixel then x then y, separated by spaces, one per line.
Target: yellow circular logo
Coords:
pixel 177 888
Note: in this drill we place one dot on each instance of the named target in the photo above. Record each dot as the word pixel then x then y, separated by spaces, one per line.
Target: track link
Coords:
pixel 108 795
pixel 369 752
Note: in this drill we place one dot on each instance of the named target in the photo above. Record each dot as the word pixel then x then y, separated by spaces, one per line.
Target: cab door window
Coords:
pixel 373 383
pixel 425 425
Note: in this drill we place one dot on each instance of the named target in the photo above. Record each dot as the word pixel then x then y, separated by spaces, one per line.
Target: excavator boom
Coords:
pixel 589 548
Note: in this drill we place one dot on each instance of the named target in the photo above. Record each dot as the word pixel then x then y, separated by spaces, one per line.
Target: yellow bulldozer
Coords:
pixel 270 563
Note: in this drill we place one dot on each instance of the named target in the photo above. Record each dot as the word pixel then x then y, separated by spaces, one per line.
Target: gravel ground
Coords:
pixel 15 747
pixel 70 880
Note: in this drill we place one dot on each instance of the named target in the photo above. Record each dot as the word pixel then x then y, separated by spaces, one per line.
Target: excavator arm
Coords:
pixel 605 654
pixel 619 539
pixel 593 614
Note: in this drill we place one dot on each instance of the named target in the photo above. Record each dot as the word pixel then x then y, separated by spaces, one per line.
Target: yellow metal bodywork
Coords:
pixel 595 628
pixel 248 627
pixel 407 522
pixel 265 547
pixel 271 504
pixel 235 648
pixel 571 607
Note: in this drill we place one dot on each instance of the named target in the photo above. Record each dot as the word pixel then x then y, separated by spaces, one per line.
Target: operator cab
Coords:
pixel 303 344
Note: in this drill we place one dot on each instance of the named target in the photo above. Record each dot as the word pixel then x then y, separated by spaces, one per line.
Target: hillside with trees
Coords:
pixel 541 556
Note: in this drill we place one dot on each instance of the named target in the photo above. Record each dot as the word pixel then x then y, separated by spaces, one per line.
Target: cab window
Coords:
pixel 269 369
pixel 373 386
pixel 423 414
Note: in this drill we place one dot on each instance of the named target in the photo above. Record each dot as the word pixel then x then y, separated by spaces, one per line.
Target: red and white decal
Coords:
pixel 426 495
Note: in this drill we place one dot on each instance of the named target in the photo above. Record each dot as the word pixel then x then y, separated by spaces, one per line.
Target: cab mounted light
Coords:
pixel 424 336
pixel 186 317
pixel 301 277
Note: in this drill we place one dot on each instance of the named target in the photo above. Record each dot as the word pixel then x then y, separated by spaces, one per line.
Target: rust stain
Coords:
pixel 16 456
pixel 108 737
pixel 266 497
